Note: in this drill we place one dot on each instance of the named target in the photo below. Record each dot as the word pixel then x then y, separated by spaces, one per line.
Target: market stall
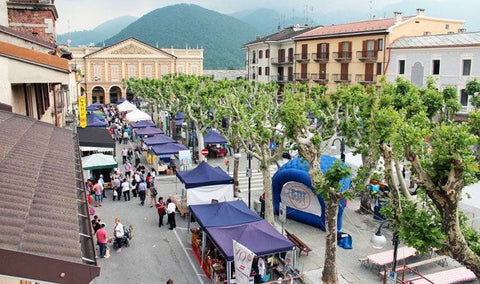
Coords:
pixel 97 164
pixel 221 224
pixel 137 115
pixel 126 106
pixel 165 151
pixel 94 140
pixel 94 107
pixel 157 140
pixel 215 143
pixel 148 131
pixel 94 120
pixel 143 124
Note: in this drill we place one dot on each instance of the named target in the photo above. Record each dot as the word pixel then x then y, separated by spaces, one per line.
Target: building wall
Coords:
pixel 5 89
pixel 421 25
pixel 451 66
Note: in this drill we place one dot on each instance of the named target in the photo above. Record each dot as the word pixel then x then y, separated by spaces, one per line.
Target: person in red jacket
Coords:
pixel 161 206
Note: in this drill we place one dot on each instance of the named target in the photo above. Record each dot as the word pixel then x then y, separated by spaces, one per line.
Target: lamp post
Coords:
pixel 249 173
pixel 378 241
pixel 342 147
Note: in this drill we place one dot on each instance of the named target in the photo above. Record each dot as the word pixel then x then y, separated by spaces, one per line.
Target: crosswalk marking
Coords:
pixel 256 180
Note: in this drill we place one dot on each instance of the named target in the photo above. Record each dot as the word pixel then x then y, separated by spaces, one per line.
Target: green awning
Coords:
pixel 98 161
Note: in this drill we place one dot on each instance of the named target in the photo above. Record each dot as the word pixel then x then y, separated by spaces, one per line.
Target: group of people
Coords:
pixel 96 188
pixel 168 209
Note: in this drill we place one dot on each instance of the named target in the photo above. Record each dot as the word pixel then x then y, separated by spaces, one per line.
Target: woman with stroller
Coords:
pixel 118 233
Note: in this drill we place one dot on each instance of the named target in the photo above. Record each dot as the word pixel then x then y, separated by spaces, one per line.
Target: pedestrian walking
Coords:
pixel 125 137
pixel 130 154
pixel 142 191
pixel 124 155
pixel 161 206
pixel 97 188
pixel 171 214
pixel 126 189
pixel 102 182
pixel 128 169
pixel 102 237
pixel 227 164
pixel 117 190
pixel 118 233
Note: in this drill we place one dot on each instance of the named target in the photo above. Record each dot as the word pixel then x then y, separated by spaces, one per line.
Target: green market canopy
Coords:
pixel 98 161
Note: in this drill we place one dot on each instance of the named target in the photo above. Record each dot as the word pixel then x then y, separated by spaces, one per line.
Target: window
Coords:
pixel 401 67
pixel 260 54
pixel 447 26
pixel 267 53
pixel 436 67
pixel 466 67
pixel 131 70
pixel 379 68
pixel 370 45
pixel 345 46
pixel 114 73
pixel 427 33
pixel 97 72
pixel 267 69
pixel 259 71
pixel 463 98
pixel 164 69
pixel 194 69
pixel 380 44
pixel 254 57
pixel 148 71
pixel 180 69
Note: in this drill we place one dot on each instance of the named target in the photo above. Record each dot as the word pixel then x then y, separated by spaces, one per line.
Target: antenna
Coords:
pixel 370 10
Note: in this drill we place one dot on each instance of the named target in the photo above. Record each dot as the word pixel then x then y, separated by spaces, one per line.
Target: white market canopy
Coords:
pixel 126 106
pixel 137 115
pixel 98 161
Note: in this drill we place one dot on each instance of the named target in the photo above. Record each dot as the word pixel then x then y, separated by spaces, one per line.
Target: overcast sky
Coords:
pixel 87 14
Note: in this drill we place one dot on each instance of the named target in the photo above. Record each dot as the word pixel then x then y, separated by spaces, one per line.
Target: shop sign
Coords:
pixel 300 197
pixel 82 111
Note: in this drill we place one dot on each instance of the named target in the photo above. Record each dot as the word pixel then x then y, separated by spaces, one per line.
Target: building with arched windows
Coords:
pixel 104 69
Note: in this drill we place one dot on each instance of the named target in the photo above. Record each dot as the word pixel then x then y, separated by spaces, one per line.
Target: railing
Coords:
pixel 282 78
pixel 302 56
pixel 343 56
pixel 366 78
pixel 301 77
pixel 370 55
pixel 342 78
pixel 319 78
pixel 281 60
pixel 320 57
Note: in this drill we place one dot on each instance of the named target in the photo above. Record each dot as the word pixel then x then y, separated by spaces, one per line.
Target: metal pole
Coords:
pixel 395 250
pixel 342 150
pixel 249 157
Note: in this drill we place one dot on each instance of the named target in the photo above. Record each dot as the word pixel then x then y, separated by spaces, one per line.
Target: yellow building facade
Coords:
pixel 358 52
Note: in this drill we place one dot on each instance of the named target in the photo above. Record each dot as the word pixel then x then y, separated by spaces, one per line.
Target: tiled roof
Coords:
pixel 448 40
pixel 354 27
pixel 27 37
pixel 286 33
pixel 25 54
pixel 38 194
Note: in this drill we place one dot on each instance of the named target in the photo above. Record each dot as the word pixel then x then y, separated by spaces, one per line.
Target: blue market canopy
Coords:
pixel 179 118
pixel 223 214
pixel 148 131
pixel 260 237
pixel 165 150
pixel 158 139
pixel 213 137
pixel 204 175
pixel 121 100
pixel 94 121
pixel 143 124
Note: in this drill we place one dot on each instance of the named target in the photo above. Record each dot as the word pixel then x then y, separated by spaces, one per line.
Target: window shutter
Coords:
pixel 328 49
pixel 376 46
pixel 340 47
pixel 364 46
pixel 319 49
pixel 350 46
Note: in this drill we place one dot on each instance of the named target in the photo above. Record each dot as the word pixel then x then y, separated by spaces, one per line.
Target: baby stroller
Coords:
pixel 124 241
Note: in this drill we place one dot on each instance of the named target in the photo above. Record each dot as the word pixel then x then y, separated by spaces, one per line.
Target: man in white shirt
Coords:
pixel 171 214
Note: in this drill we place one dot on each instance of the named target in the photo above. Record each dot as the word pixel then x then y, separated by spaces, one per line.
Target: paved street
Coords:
pixel 157 254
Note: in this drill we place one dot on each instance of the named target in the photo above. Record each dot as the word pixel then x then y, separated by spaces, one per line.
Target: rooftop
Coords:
pixel 286 33
pixel 448 40
pixel 27 37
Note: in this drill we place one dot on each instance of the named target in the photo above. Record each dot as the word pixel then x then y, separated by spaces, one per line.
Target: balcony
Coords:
pixel 281 78
pixel 367 55
pixel 281 60
pixel 301 77
pixel 302 57
pixel 320 57
pixel 343 56
pixel 319 78
pixel 366 78
pixel 342 78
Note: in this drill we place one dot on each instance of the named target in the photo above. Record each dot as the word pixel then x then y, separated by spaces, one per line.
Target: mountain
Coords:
pixel 100 33
pixel 220 36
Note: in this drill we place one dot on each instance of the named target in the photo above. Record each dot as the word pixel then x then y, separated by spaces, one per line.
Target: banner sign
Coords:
pixel 82 111
pixel 243 258
pixel 185 159
pixel 300 197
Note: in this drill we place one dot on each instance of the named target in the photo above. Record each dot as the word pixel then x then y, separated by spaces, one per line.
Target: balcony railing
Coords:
pixel 281 60
pixel 319 78
pixel 320 57
pixel 342 78
pixel 302 57
pixel 301 77
pixel 282 78
pixel 343 56
pixel 367 55
pixel 366 78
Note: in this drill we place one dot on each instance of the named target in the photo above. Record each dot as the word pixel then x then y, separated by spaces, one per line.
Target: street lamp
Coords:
pixel 378 241
pixel 342 147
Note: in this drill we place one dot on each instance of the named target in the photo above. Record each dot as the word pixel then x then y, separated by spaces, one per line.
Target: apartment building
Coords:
pixel 452 59
pixel 356 52
pixel 271 58
pixel 104 69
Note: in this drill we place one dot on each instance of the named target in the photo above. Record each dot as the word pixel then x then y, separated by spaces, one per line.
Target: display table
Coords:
pixel 181 204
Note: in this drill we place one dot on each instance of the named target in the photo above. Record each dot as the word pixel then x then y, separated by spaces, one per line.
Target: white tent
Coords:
pixel 126 106
pixel 470 204
pixel 137 115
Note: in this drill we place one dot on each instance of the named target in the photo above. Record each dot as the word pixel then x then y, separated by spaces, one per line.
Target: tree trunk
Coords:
pixel 236 167
pixel 267 184
pixel 330 264
pixel 199 135
pixel 365 196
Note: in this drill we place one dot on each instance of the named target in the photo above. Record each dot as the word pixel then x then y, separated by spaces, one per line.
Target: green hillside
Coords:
pixel 100 33
pixel 221 36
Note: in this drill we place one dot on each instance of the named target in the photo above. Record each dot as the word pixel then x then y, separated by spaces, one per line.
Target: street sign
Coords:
pixel 205 152
pixel 248 172
pixel 273 146
pixel 392 277
pixel 282 213
pixel 82 111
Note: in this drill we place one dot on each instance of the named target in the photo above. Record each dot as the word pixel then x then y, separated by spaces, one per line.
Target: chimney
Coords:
pixel 398 17
pixel 420 12
pixel 462 30
pixel 156 44
pixel 258 37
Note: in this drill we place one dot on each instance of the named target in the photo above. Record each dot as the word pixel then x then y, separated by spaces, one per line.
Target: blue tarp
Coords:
pixel 94 107
pixel 121 100
pixel 148 131
pixel 94 121
pixel 143 124
pixel 168 149
pixel 204 175
pixel 223 214
pixel 158 139
pixel 213 137
pixel 260 237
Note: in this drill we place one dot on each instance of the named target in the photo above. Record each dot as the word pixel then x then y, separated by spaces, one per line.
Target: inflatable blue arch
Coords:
pixel 292 186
